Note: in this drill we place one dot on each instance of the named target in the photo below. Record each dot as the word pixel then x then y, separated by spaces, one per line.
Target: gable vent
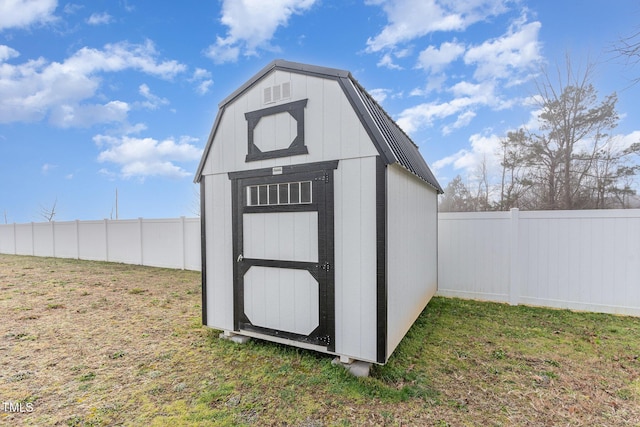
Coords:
pixel 277 93
pixel 286 90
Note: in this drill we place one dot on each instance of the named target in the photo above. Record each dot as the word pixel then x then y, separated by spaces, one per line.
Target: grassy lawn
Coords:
pixel 92 343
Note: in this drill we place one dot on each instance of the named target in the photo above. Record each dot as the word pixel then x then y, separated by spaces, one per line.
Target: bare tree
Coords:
pixel 570 162
pixel 483 188
pixel 194 206
pixel 456 197
pixel 49 213
pixel 628 48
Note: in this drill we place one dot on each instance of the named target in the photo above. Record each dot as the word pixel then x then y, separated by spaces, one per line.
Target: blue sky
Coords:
pixel 103 95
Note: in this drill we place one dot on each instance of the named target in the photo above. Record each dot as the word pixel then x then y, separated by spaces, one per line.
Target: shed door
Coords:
pixel 283 254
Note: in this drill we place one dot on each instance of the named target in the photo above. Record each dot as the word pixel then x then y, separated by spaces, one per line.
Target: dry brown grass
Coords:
pixel 91 343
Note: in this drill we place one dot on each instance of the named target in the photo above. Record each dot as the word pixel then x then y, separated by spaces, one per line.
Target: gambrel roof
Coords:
pixel 392 143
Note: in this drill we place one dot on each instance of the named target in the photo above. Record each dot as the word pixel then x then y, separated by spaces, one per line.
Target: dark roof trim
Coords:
pixel 393 144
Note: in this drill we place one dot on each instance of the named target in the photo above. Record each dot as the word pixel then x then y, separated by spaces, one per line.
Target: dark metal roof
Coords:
pixel 393 144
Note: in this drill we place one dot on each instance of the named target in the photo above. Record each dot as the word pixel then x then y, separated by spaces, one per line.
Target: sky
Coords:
pixel 120 95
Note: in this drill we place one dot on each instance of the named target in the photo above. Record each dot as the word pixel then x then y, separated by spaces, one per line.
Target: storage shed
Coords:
pixel 319 216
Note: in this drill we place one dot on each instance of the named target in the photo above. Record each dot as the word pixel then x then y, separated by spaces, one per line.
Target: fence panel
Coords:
pixel 192 244
pixel 7 241
pixel 65 235
pixel 24 239
pixel 124 241
pixel 163 243
pixel 170 243
pixel 92 240
pixel 583 260
pixel 473 255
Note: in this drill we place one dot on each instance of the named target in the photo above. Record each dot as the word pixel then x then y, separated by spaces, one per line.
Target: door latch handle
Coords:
pixel 240 258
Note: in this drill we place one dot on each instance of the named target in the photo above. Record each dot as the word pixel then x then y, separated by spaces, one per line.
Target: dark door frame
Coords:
pixel 321 176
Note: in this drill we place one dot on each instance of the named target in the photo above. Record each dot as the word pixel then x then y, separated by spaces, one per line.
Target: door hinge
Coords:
pixel 325 339
pixel 324 178
pixel 326 266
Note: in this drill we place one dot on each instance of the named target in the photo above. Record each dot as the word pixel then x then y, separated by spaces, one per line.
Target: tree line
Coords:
pixel 570 161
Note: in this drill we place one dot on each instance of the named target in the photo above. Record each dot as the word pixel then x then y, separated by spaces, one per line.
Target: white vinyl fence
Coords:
pixel 170 243
pixel 582 260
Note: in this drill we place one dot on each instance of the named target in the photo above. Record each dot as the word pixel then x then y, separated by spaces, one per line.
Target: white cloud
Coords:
pixel 467 97
pixel 463 120
pixel 86 115
pixel 47 167
pixel 483 149
pixel 23 13
pixel 509 55
pixel 99 19
pixel 7 53
pixel 152 101
pixel 410 19
pixel 379 94
pixel 62 91
pixel 203 80
pixel 252 24
pixel 144 157
pixel 387 61
pixel 436 59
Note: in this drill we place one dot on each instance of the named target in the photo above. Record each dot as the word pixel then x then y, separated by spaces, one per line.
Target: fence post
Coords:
pixel 106 239
pixel 53 238
pixel 77 239
pixel 514 258
pixel 183 243
pixel 141 241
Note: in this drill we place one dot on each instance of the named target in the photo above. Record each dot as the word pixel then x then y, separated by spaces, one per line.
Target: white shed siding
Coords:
pixel 219 268
pixel 332 128
pixel 411 251
pixel 355 258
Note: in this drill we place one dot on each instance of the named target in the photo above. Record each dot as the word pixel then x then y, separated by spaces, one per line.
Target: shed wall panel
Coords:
pixel 411 251
pixel 332 128
pixel 355 258
pixel 219 252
